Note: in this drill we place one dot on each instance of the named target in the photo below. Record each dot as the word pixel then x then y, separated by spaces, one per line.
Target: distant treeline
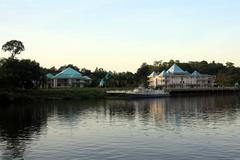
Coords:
pixel 26 73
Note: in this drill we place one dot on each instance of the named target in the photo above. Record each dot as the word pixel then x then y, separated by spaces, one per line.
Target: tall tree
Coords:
pixel 14 47
pixel 69 65
pixel 229 64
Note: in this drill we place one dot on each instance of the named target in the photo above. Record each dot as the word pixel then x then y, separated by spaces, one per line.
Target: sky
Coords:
pixel 120 35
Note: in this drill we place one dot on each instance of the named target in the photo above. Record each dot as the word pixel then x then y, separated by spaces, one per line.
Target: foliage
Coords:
pixel 120 80
pixel 66 66
pixel 51 94
pixel 20 73
pixel 14 47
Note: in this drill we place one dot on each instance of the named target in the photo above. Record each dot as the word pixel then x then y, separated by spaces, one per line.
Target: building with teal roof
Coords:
pixel 49 75
pixel 69 77
pixel 176 77
pixel 102 83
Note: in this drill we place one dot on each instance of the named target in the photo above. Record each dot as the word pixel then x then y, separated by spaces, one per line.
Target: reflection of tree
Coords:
pixel 18 126
pixel 120 109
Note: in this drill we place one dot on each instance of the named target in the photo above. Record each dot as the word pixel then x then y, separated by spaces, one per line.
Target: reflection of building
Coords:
pixel 175 77
pixel 68 78
pixel 157 109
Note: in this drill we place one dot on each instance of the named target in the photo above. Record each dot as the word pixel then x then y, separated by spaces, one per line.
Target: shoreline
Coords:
pixel 41 95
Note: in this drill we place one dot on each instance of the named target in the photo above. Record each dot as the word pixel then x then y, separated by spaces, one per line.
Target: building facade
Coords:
pixel 67 78
pixel 175 77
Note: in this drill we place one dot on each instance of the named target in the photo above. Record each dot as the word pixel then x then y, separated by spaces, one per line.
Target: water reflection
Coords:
pixel 21 125
pixel 169 109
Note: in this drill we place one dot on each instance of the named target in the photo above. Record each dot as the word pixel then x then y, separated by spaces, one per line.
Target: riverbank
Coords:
pixel 15 96
pixel 39 95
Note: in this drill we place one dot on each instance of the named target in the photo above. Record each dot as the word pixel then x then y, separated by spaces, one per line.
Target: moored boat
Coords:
pixel 139 93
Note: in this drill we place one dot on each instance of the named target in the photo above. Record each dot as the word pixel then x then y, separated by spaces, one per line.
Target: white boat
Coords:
pixel 139 93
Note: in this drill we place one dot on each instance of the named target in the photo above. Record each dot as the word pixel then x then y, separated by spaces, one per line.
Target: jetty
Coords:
pixel 213 90
pixel 157 93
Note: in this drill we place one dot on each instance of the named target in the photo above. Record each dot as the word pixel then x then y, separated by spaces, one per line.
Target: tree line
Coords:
pixel 25 73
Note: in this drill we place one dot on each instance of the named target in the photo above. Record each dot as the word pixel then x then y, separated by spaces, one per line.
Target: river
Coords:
pixel 201 127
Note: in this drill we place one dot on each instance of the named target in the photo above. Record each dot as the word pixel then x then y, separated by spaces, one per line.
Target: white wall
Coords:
pixel 182 81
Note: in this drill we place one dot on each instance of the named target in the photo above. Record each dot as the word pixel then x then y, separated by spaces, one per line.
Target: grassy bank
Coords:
pixel 51 94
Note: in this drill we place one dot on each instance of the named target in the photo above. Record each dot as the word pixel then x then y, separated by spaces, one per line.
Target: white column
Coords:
pixel 54 82
pixel 70 82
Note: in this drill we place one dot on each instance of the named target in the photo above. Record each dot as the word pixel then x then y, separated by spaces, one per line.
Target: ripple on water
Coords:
pixel 172 128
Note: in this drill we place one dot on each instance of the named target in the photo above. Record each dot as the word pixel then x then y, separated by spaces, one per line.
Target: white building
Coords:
pixel 175 77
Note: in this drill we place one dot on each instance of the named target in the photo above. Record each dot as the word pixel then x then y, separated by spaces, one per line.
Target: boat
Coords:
pixel 139 92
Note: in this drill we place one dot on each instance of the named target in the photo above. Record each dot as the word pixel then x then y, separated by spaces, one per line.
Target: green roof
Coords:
pixel 49 75
pixel 102 83
pixel 87 78
pixel 69 73
pixel 108 75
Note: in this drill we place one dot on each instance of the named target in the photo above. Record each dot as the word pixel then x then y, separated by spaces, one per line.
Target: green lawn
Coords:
pixel 53 94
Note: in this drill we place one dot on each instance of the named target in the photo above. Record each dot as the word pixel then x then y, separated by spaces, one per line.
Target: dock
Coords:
pixel 150 93
pixel 215 90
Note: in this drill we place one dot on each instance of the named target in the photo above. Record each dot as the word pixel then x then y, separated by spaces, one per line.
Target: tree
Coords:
pixel 14 47
pixel 230 64
pixel 171 62
pixel 16 73
pixel 69 65
pixel 86 71
pixel 157 63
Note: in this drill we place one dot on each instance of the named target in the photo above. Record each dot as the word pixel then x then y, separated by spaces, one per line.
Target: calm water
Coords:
pixel 169 128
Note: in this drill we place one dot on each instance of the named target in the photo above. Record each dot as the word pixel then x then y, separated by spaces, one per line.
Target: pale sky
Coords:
pixel 122 34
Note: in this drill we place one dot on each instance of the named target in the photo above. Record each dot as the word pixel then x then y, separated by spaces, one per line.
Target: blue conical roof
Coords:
pixel 175 69
pixel 153 74
pixel 164 73
pixel 196 73
pixel 68 73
